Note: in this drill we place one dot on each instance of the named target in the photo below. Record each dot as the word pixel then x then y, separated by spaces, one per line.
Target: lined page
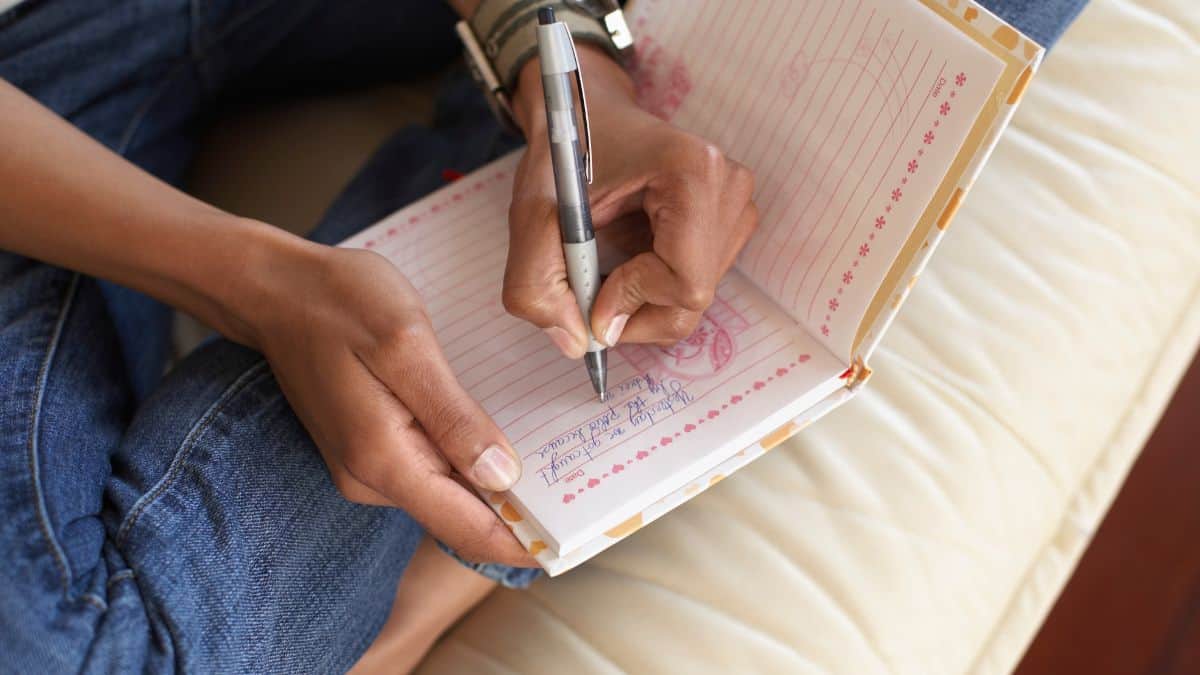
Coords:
pixel 849 112
pixel 672 412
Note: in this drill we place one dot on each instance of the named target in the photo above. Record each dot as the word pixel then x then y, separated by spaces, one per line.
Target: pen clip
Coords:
pixel 587 125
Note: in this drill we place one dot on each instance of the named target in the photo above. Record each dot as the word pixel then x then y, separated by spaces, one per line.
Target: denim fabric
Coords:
pixel 1042 20
pixel 187 522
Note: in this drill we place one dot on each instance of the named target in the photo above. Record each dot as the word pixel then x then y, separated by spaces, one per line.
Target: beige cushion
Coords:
pixel 928 526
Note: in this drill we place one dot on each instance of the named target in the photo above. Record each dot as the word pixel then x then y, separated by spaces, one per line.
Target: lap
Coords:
pixel 200 531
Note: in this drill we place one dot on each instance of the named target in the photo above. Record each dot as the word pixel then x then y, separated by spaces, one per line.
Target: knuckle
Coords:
pixel 449 425
pixel 695 296
pixel 409 332
pixel 741 177
pixel 519 301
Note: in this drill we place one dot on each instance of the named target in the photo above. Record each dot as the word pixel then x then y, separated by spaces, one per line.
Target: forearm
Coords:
pixel 68 201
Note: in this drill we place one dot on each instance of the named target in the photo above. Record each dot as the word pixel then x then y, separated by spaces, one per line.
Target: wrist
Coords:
pixel 241 277
pixel 603 77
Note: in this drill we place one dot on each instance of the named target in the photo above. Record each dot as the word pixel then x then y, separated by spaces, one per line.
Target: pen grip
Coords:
pixel 583 274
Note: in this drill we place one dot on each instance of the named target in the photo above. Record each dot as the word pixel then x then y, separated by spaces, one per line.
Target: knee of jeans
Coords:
pixel 242 513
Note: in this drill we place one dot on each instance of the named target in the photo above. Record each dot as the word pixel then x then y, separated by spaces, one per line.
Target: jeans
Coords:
pixel 187 522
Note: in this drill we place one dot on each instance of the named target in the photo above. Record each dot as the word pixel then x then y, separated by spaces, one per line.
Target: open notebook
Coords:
pixel 865 122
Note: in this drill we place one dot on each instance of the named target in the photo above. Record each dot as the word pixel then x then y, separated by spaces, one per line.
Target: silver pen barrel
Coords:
pixel 559 65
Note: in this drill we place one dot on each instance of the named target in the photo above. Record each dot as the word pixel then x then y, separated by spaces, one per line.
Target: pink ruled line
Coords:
pixel 538 346
pixel 723 68
pixel 695 401
pixel 545 356
pixel 484 337
pixel 392 244
pixel 613 372
pixel 841 179
pixel 739 93
pixel 756 131
pixel 817 156
pixel 837 222
pixel 796 121
pixel 899 147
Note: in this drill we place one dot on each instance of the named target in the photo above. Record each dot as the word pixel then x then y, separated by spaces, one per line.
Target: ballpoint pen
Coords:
pixel 572 175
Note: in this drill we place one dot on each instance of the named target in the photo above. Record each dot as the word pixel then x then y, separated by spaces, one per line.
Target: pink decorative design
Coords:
pixel 913 166
pixel 642 454
pixel 618 468
pixel 661 80
pixel 960 79
pixel 825 330
pixel 568 498
pixel 593 482
pixel 880 222
pixel 864 250
pixel 833 304
pixel 929 138
pixel 897 195
pixel 945 108
pixel 689 428
pixel 848 278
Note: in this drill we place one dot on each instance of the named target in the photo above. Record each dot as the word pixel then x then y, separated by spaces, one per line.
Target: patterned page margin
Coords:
pixel 1022 57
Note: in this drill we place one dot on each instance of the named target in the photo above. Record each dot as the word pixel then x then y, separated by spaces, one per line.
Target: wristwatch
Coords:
pixel 500 38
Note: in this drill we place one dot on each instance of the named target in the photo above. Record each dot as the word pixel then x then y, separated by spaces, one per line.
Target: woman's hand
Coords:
pixel 698 203
pixel 354 352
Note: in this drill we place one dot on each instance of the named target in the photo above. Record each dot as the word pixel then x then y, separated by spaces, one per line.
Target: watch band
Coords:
pixel 506 32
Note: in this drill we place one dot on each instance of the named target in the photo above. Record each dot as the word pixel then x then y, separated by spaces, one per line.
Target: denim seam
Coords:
pixel 119 577
pixel 244 380
pixel 35 415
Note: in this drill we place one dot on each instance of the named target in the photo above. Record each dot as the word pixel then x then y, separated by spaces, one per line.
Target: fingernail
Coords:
pixel 615 328
pixel 565 343
pixel 496 469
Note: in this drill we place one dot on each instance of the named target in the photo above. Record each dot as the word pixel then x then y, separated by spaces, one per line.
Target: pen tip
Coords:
pixel 603 396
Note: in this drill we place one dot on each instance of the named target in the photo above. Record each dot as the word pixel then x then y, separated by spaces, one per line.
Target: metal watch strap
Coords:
pixel 506 32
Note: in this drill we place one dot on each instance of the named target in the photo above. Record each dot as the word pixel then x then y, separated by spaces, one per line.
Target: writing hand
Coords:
pixel 354 352
pixel 697 201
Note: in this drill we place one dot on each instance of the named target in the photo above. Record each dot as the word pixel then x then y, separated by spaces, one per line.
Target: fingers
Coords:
pixel 663 326
pixel 449 511
pixel 648 300
pixel 645 280
pixel 411 364
pixel 388 460
pixel 535 280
